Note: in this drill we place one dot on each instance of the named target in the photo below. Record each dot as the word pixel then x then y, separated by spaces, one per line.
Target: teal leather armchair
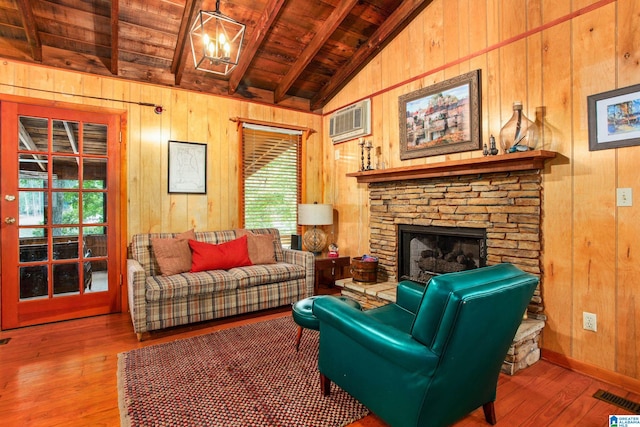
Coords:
pixel 433 356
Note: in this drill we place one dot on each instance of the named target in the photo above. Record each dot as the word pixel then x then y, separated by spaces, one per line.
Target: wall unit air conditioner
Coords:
pixel 351 122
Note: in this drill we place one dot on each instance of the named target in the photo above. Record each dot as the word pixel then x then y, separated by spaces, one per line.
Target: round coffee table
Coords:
pixel 302 313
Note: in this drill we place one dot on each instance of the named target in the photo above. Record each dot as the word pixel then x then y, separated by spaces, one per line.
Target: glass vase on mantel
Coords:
pixel 540 134
pixel 515 134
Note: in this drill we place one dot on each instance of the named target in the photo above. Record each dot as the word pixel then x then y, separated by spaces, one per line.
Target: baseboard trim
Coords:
pixel 614 378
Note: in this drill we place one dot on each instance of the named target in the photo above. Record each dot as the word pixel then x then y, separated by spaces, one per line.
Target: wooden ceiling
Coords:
pixel 296 53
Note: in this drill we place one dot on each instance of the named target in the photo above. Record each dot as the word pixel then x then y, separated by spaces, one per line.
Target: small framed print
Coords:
pixel 187 167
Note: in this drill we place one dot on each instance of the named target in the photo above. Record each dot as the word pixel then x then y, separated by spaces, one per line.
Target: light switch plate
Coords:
pixel 624 197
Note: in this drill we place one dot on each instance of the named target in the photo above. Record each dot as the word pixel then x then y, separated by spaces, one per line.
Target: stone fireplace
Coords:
pixel 491 205
pixel 504 206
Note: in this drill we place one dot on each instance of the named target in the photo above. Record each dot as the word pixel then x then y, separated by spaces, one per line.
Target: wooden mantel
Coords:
pixel 501 163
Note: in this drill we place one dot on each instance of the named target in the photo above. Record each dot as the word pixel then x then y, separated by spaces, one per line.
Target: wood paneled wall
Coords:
pixel 187 116
pixel 545 53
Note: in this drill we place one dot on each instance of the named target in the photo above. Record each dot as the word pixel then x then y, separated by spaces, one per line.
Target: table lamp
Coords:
pixel 315 239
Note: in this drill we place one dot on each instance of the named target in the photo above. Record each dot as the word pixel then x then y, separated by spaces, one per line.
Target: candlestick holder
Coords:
pixel 492 146
pixel 368 146
pixel 361 144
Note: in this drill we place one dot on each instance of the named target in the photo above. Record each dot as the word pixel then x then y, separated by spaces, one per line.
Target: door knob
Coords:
pixel 10 220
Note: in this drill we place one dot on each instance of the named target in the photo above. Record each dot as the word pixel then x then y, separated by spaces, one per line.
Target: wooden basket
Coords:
pixel 364 271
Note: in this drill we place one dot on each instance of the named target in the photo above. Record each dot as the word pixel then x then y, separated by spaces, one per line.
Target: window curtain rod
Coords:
pixel 242 121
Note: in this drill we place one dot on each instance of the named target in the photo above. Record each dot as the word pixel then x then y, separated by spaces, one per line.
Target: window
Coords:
pixel 271 176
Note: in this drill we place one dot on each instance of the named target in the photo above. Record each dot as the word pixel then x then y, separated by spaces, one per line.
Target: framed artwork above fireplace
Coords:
pixel 442 118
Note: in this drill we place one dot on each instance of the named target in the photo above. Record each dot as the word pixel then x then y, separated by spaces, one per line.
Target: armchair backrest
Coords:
pixel 445 294
pixel 469 319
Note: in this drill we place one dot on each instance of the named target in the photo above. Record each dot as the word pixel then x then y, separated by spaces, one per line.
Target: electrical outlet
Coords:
pixel 624 197
pixel 589 321
pixel 336 155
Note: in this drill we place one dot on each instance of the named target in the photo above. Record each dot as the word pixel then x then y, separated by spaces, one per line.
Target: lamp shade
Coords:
pixel 315 214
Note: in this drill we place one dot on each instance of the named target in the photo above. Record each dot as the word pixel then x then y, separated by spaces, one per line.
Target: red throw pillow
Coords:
pixel 207 256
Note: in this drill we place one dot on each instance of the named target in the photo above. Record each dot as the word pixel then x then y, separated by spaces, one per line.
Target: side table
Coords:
pixel 329 269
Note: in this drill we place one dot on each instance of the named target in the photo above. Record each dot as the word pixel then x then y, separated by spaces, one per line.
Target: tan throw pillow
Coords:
pixel 174 254
pixel 187 235
pixel 261 250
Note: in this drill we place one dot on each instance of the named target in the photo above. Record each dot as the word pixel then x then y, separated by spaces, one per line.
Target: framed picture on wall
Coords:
pixel 441 119
pixel 614 118
pixel 187 167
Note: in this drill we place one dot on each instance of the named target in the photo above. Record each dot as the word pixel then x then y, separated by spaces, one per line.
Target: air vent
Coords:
pixel 351 122
pixel 620 402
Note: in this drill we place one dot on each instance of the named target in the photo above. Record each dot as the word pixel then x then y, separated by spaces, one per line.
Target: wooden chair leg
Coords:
pixel 489 412
pixel 298 338
pixel 325 385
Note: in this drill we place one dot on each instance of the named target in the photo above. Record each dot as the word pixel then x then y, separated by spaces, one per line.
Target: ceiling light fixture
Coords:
pixel 216 41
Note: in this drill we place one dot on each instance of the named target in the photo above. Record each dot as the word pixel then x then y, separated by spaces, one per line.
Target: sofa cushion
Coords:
pixel 261 247
pixel 277 243
pixel 141 250
pixel 266 273
pixel 173 254
pixel 207 256
pixel 158 288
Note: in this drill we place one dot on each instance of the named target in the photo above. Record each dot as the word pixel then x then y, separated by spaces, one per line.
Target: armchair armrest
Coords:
pixel 306 260
pixel 409 295
pixel 136 279
pixel 397 347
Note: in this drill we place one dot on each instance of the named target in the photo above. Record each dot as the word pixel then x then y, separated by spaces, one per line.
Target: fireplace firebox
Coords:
pixel 427 251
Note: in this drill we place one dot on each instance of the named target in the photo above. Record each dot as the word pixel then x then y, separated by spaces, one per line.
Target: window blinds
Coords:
pixel 271 172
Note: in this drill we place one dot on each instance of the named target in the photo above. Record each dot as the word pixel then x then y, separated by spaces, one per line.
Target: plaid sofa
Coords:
pixel 157 301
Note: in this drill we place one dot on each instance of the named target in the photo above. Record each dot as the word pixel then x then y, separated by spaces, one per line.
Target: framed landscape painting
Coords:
pixel 614 118
pixel 441 119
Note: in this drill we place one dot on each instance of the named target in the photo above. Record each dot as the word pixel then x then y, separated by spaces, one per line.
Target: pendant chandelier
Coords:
pixel 216 41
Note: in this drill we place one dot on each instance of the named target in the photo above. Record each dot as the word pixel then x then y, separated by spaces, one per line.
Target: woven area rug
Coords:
pixel 245 376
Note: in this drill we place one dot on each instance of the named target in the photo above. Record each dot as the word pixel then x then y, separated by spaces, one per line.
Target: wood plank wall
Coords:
pixel 574 49
pixel 188 116
pixel 545 53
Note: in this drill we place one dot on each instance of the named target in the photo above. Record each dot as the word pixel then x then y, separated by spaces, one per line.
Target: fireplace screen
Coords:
pixel 426 251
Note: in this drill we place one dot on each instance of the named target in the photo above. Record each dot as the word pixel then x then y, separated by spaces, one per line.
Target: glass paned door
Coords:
pixel 59 195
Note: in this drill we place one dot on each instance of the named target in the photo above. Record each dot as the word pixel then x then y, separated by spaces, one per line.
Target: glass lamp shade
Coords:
pixel 315 239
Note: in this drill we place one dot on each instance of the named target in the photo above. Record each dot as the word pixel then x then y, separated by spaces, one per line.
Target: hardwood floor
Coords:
pixel 64 374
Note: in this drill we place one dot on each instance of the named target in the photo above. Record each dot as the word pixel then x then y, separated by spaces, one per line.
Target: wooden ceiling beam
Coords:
pixel 30 28
pixel 394 23
pixel 258 35
pixel 324 33
pixel 179 57
pixel 115 25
